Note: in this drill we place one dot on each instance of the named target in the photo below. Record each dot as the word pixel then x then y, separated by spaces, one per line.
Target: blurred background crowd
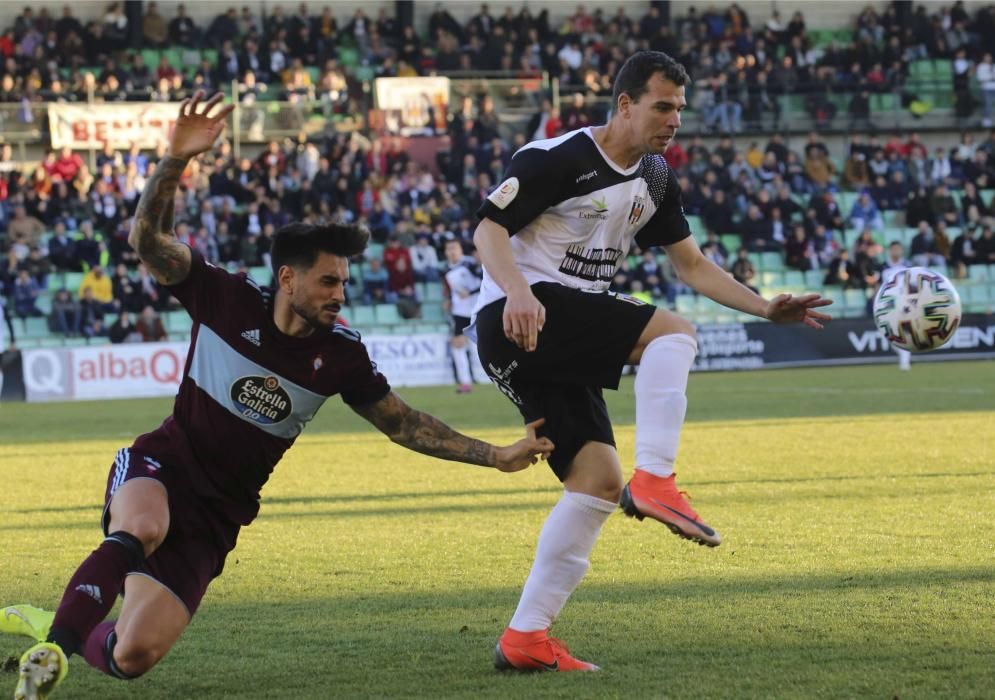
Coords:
pixel 775 207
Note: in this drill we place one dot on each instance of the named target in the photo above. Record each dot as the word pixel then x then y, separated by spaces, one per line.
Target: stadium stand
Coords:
pixel 761 154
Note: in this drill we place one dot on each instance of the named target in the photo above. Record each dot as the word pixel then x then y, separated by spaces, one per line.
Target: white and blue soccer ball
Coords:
pixel 917 310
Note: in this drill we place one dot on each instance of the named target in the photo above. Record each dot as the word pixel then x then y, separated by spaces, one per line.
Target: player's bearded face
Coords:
pixel 318 293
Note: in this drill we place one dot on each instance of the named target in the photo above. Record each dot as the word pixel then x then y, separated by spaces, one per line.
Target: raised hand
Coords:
pixel 196 129
pixel 785 308
pixel 526 451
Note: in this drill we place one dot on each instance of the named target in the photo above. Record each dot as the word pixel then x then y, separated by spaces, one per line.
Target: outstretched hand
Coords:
pixel 526 451
pixel 197 130
pixel 785 308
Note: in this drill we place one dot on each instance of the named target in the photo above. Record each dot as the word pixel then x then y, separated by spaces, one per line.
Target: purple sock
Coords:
pixel 93 589
pixel 95 650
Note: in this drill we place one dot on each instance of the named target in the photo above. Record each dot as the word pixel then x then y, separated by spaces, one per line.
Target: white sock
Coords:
pixel 462 360
pixel 904 358
pixel 565 544
pixel 661 382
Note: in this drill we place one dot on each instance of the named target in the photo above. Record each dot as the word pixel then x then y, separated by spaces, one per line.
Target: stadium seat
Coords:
pixel 976 298
pixel 360 316
pixel 987 196
pixel 685 304
pixel 732 242
pixel 177 321
pixel 771 262
pixel 772 279
pixel 261 275
pixel 855 303
pixel 433 312
pixel 374 250
pixel 433 291
pixel 794 278
pixel 978 272
pixel 813 279
pixel 386 314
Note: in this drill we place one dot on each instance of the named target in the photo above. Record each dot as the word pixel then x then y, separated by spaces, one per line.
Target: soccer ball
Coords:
pixel 917 310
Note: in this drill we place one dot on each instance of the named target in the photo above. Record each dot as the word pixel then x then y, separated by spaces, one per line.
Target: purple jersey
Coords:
pixel 248 390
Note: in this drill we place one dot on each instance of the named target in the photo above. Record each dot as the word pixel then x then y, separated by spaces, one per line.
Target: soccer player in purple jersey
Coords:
pixel 260 365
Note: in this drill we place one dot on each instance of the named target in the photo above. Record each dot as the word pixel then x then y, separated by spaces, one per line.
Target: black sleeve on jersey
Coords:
pixel 668 225
pixel 538 189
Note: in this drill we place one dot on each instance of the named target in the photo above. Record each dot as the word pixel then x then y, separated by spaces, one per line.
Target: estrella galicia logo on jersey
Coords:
pixel 261 399
pixel 636 212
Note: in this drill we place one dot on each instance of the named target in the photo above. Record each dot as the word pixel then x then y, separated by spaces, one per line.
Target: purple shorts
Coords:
pixel 198 540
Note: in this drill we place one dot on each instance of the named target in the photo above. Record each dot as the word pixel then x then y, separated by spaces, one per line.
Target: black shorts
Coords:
pixel 199 538
pixel 459 324
pixel 581 350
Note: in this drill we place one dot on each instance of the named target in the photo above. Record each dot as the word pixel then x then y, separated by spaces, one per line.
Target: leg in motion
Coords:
pixel 665 353
pixel 562 558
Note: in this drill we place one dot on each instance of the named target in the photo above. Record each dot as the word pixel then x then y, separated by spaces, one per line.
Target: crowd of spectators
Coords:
pixel 60 216
pixel 740 65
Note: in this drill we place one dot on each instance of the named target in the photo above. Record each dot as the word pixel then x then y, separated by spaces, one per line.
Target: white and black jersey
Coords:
pixel 463 282
pixel 573 213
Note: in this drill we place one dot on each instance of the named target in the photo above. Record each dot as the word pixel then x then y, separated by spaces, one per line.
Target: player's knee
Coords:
pixel 682 325
pixel 149 531
pixel 135 658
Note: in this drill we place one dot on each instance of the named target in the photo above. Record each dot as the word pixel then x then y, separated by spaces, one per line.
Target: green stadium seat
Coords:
pixel 433 291
pixel 348 57
pixel 771 262
pixel 978 272
pixel 685 304
pixel 386 314
pixel 151 58
pixel 987 196
pixel 35 327
pixel 976 298
pixel 855 303
pixel 813 279
pixel 360 316
pixel 177 321
pixel 794 278
pixel 732 242
pixel 433 312
pixel 261 275
pixel 365 74
pixel 374 250
pixel 772 279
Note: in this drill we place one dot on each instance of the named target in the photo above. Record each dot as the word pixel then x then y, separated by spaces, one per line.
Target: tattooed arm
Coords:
pixel 152 234
pixel 423 433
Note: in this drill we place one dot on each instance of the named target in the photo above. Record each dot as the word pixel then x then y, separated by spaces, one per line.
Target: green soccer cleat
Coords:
pixel 27 621
pixel 43 667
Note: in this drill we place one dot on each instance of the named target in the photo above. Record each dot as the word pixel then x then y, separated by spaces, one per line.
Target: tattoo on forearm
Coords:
pixel 426 434
pixel 152 228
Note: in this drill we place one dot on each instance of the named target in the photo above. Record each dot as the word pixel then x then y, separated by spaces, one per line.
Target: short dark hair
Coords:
pixel 298 245
pixel 639 68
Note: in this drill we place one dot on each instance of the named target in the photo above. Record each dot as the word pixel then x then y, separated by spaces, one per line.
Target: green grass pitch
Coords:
pixel 856 506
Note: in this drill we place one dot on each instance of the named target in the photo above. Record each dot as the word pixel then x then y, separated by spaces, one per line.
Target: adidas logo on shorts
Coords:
pixel 253 337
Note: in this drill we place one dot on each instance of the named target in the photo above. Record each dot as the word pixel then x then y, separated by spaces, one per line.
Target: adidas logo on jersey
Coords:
pixel 92 591
pixel 253 337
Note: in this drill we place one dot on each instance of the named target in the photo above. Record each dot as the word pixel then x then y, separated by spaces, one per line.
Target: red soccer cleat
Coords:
pixel 657 497
pixel 535 652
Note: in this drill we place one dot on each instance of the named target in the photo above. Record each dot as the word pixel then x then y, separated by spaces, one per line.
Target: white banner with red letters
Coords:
pixel 134 370
pixel 81 126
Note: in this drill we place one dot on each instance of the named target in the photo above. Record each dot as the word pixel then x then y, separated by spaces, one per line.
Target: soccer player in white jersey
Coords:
pixel 463 284
pixel 552 337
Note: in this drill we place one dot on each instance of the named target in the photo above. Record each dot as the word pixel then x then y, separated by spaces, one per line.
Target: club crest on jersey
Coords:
pixel 636 212
pixel 261 399
pixel 505 193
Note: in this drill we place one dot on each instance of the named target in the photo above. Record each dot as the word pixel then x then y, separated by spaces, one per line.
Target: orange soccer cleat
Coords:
pixel 535 651
pixel 657 497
